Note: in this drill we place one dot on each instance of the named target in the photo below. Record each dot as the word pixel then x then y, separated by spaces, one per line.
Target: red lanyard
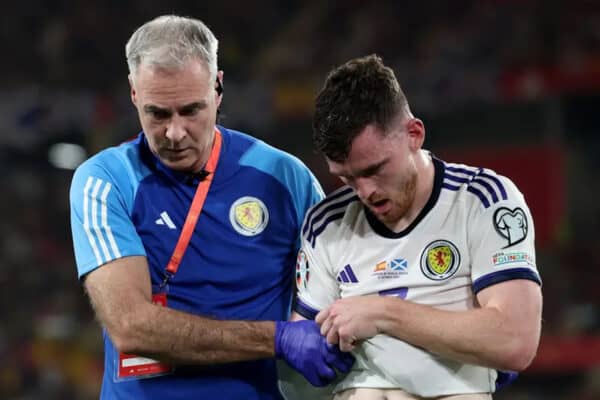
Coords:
pixel 195 208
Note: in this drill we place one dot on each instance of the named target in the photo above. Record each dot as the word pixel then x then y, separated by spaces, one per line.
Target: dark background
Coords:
pixel 512 85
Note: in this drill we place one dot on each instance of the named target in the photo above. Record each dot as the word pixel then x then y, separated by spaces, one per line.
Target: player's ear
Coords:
pixel 416 133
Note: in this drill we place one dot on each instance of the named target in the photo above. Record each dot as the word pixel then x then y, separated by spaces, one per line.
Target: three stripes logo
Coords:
pixel 327 211
pixel 481 182
pixel 346 275
pixel 95 220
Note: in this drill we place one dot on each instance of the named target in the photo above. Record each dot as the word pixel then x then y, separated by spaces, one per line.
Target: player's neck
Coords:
pixel 424 188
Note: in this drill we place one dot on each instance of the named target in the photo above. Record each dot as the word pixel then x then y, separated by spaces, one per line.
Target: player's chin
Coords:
pixel 380 208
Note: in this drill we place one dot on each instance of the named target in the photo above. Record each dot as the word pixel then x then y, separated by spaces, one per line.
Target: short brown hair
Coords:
pixel 358 93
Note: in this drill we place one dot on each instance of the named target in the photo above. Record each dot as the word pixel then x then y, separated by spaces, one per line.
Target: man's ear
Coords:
pixel 132 91
pixel 219 88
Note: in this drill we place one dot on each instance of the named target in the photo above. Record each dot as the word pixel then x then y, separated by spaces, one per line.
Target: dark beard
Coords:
pixel 401 205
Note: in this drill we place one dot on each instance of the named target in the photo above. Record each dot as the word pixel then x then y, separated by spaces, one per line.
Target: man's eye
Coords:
pixel 189 112
pixel 160 115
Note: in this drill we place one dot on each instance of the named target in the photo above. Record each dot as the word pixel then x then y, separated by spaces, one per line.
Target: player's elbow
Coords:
pixel 519 361
pixel 520 354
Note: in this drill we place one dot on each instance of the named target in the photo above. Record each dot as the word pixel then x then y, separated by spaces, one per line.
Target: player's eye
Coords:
pixel 373 170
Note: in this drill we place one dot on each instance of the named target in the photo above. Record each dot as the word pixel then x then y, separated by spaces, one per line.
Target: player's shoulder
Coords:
pixel 328 213
pixel 479 187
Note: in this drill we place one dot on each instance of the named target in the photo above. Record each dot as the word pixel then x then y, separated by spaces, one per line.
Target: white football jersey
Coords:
pixel 475 231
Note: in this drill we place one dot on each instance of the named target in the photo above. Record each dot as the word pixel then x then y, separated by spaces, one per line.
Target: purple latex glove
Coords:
pixel 505 378
pixel 301 344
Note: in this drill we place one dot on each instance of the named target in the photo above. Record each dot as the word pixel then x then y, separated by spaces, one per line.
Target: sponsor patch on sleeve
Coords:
pixel 518 257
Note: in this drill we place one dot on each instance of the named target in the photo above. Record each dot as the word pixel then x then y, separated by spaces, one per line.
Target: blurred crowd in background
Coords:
pixel 512 85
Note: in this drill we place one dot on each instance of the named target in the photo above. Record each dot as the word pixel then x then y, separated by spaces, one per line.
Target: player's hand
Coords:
pixel 350 320
pixel 300 343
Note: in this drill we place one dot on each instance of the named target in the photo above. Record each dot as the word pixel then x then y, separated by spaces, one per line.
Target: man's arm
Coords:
pixel 121 296
pixel 120 293
pixel 503 333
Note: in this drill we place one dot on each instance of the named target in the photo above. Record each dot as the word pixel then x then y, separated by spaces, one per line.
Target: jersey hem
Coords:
pixel 94 266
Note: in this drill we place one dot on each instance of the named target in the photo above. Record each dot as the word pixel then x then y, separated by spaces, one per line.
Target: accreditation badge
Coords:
pixel 135 367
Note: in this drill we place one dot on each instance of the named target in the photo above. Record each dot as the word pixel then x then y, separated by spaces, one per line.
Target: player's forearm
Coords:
pixel 174 336
pixel 482 336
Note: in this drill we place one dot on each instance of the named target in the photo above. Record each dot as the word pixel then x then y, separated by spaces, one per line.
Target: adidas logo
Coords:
pixel 347 275
pixel 164 219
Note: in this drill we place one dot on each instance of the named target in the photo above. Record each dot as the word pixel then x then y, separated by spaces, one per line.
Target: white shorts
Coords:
pixel 398 394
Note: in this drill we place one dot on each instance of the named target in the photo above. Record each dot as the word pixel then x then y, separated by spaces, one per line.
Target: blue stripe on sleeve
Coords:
pixel 330 207
pixel 458 179
pixel 320 206
pixel 305 310
pixel 312 237
pixel 479 194
pixel 448 186
pixel 488 187
pixel 461 170
pixel 506 275
pixel 497 182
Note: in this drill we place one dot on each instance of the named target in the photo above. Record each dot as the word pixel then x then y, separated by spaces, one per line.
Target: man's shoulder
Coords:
pixel 284 167
pixel 256 150
pixel 119 165
pixel 114 157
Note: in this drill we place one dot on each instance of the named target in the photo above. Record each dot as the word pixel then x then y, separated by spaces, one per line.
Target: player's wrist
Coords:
pixel 381 314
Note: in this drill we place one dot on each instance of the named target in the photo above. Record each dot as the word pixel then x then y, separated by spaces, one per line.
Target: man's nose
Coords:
pixel 176 129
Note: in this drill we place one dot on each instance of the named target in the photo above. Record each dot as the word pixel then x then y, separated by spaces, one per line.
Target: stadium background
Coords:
pixel 513 85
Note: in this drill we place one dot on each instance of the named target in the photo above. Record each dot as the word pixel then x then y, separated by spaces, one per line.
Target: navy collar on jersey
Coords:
pixel 384 231
pixel 186 178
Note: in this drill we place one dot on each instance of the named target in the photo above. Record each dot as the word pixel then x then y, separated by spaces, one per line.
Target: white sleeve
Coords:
pixel 316 289
pixel 315 282
pixel 501 240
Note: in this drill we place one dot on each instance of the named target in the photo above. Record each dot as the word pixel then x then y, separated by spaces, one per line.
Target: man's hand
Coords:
pixel 350 320
pixel 300 343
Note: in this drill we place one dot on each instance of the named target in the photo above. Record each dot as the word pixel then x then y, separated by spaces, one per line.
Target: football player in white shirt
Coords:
pixel 425 270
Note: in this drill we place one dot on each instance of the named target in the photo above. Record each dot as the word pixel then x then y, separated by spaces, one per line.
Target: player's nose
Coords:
pixel 364 188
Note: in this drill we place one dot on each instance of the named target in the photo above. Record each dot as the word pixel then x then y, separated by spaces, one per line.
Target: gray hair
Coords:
pixel 169 41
